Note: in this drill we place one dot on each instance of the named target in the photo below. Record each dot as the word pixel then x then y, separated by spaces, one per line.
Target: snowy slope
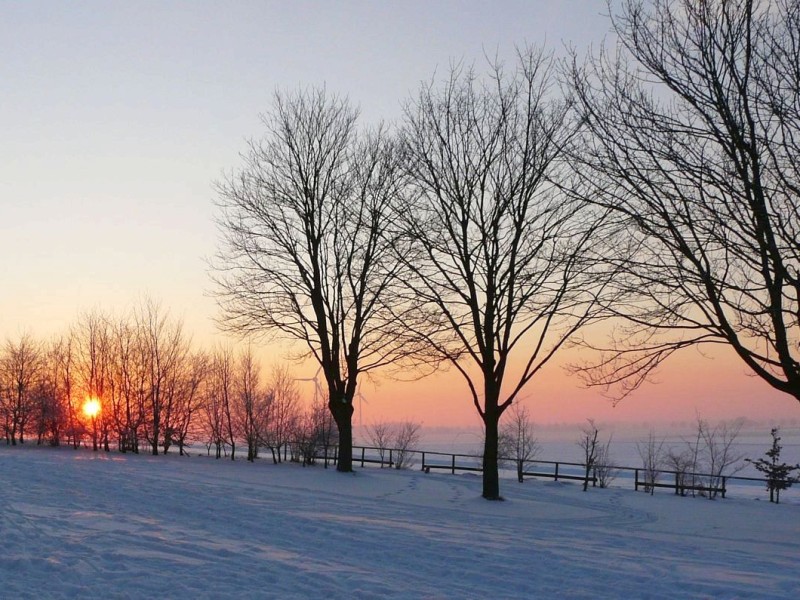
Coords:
pixel 78 524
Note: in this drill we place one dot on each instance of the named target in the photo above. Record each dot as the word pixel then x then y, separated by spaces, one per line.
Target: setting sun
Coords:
pixel 91 408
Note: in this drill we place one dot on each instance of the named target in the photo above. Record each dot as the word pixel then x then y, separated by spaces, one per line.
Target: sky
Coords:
pixel 117 117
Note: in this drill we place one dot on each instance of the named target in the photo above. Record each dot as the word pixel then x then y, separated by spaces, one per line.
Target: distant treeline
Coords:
pixel 154 390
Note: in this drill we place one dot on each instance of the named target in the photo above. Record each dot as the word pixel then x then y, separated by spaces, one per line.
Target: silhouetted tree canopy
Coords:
pixel 305 252
pixel 691 136
pixel 495 254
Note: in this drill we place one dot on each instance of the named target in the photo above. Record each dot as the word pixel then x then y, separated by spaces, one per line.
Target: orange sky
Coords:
pixel 689 385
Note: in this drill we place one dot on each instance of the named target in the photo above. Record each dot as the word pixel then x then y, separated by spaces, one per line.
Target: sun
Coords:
pixel 91 408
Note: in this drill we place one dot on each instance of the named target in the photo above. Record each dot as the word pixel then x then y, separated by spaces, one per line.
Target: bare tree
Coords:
pixel 380 436
pixel 282 411
pixel 315 433
pixel 720 453
pixel 304 252
pixel 190 399
pixel 406 439
pixel 129 378
pixel 250 403
pixel 652 455
pixel 691 137
pixel 517 441
pixel 219 403
pixel 495 253
pixel 216 395
pixel 604 470
pixel 93 337
pixel 51 402
pixel 682 464
pixel 20 368
pixel 589 445
pixel 63 355
pixel 165 351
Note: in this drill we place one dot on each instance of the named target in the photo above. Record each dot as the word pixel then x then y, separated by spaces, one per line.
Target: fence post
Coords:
pixel 453 470
pixel 363 449
pixel 636 480
pixel 423 461
pixel 555 478
pixel 325 454
pixel 723 487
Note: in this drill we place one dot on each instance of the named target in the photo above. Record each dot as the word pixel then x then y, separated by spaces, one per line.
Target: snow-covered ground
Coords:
pixel 77 524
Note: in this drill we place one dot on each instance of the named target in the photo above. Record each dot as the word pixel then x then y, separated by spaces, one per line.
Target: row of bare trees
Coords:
pixel 446 243
pixel 712 451
pixel 656 184
pixel 399 440
pixel 149 391
pixel 138 371
pixel 31 378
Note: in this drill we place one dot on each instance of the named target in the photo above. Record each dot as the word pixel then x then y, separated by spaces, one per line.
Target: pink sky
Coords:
pixel 689 385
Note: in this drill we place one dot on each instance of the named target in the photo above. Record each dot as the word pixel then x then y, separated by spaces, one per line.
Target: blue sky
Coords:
pixel 116 118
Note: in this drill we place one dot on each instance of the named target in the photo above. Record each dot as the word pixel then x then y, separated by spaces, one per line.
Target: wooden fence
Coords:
pixel 682 483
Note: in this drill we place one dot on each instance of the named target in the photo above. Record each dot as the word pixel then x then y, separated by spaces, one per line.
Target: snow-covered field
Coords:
pixel 75 524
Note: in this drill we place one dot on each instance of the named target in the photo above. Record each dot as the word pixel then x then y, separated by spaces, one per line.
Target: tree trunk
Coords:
pixel 251 450
pixel 342 414
pixel 156 426
pixel 491 476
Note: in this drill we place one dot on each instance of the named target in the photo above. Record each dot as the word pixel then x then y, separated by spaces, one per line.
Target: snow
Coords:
pixel 83 524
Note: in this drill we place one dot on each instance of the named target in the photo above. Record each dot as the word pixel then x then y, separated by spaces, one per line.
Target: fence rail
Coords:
pixel 680 482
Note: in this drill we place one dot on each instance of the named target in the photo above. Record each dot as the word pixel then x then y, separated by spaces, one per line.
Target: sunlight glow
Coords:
pixel 91 408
